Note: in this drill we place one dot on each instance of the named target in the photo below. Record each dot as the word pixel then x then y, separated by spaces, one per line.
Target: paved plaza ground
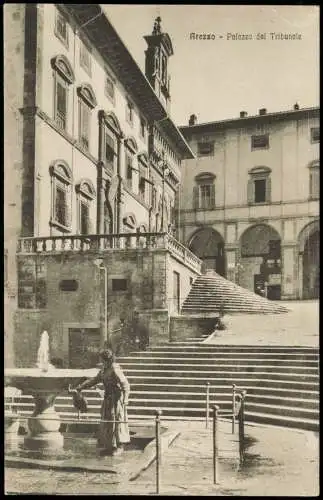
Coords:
pixel 279 461
pixel 300 326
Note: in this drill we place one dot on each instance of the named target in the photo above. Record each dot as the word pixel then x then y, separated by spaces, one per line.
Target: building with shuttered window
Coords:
pixel 92 170
pixel 250 200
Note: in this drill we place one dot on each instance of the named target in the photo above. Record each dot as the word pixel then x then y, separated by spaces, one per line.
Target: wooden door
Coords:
pixel 84 344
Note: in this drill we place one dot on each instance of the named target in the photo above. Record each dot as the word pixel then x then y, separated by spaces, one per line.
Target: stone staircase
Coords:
pixel 282 383
pixel 211 292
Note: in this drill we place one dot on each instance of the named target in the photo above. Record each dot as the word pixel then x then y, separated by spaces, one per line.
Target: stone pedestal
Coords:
pixel 44 424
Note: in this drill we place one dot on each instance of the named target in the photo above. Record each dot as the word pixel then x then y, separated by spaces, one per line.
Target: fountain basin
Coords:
pixel 55 380
pixel 45 386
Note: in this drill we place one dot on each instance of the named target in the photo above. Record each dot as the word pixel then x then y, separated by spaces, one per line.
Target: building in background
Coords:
pixel 91 155
pixel 250 200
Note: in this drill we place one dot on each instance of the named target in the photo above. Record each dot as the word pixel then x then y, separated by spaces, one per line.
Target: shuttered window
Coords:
pixel 314 182
pixel 110 153
pixel 61 102
pixel 84 124
pixel 84 218
pixel 204 194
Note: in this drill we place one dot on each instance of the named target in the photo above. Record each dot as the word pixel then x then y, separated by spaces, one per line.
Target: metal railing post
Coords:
pixel 215 445
pixel 158 450
pixel 241 426
pixel 207 405
pixel 233 407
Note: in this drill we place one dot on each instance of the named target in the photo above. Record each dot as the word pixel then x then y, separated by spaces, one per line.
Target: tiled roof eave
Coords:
pixel 248 120
pixel 103 35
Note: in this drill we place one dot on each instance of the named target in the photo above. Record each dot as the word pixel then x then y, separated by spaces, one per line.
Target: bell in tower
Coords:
pixel 159 50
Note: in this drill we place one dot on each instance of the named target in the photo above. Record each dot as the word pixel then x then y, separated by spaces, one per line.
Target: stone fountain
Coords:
pixel 44 383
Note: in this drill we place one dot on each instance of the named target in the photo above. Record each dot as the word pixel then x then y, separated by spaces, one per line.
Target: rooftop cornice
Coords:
pixel 248 120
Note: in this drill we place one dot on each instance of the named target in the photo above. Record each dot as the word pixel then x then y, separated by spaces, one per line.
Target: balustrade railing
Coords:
pixel 101 242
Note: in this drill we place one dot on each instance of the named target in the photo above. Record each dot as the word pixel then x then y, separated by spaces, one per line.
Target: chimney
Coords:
pixel 192 121
pixel 296 106
pixel 263 111
pixel 243 114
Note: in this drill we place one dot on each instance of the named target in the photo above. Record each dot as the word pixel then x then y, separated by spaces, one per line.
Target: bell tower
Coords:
pixel 159 50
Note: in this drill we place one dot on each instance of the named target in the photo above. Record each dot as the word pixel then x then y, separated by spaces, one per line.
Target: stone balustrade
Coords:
pixel 106 242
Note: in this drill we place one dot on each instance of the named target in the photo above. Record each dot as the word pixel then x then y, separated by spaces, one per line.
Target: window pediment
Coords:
pixel 131 144
pixel 261 170
pixel 143 158
pixel 62 65
pixel 86 188
pixel 111 121
pixel 86 92
pixel 60 169
pixel 130 221
pixel 314 164
pixel 205 178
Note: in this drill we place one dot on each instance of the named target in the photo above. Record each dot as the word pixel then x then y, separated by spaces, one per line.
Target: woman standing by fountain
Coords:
pixel 112 435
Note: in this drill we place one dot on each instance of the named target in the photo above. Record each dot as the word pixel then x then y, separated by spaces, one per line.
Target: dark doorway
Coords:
pixel 84 344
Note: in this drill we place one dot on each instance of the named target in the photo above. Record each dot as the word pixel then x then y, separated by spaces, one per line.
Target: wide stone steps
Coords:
pixel 282 384
pixel 211 361
pixel 212 292
pixel 217 350
pixel 219 367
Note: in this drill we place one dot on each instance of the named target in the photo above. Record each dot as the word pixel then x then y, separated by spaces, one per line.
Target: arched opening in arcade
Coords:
pixel 309 261
pixel 260 250
pixel 208 245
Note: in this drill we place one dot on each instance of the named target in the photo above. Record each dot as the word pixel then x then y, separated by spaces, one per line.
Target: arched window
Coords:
pixel 314 169
pixel 204 191
pixel 63 78
pixel 85 194
pixel 61 180
pixel 87 102
pixel 259 185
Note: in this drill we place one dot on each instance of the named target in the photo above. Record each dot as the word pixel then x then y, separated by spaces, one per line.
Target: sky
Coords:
pixel 216 79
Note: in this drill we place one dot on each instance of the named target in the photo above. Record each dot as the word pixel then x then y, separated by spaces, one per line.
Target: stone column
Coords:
pixel 288 263
pixel 231 262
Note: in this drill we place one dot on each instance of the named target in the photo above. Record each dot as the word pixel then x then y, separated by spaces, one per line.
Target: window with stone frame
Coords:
pixel 205 148
pixel 315 134
pixel 259 185
pixel 129 112
pixel 110 88
pixel 63 78
pixel 61 180
pixel 61 102
pixel 204 191
pixel 85 57
pixel 110 154
pixel 87 102
pixel 132 171
pixel 314 171
pixel 129 171
pixel 85 194
pixel 259 141
pixel 143 177
pixel 32 293
pixel 62 28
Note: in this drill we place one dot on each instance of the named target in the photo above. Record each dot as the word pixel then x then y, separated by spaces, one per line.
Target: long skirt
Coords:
pixel 112 435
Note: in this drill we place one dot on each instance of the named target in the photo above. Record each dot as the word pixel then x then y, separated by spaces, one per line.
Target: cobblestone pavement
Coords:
pixel 279 462
pixel 299 327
